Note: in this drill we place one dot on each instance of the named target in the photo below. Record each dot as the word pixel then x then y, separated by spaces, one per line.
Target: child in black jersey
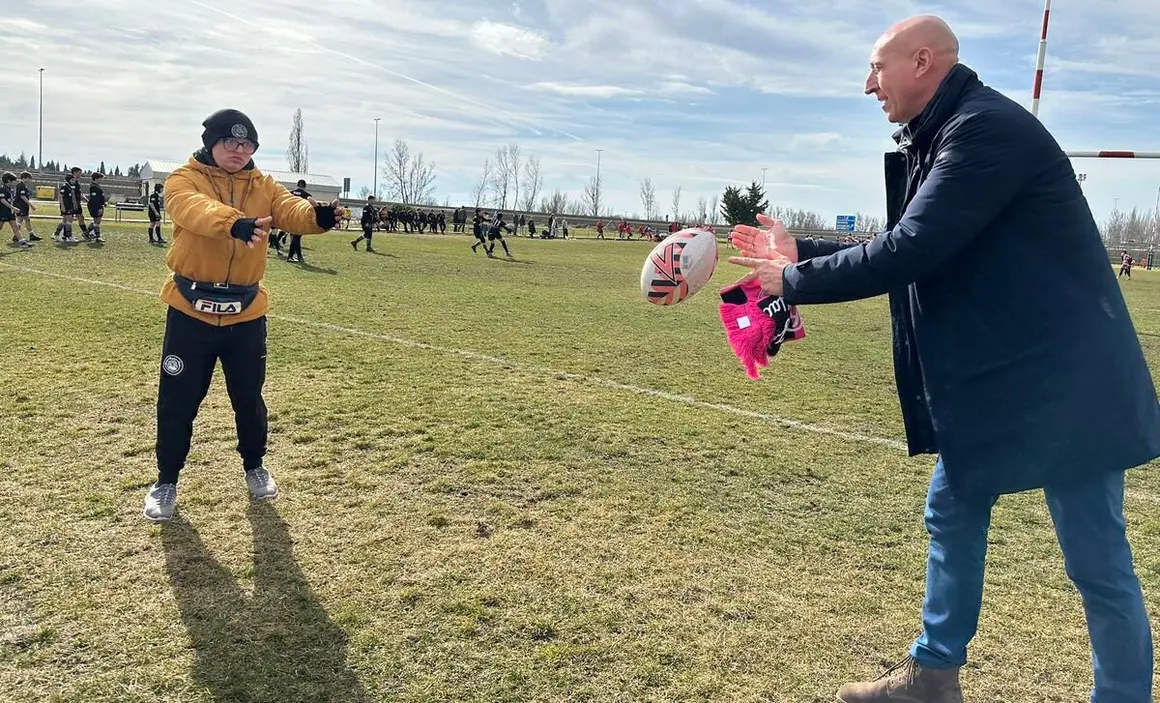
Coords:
pixel 97 202
pixel 8 209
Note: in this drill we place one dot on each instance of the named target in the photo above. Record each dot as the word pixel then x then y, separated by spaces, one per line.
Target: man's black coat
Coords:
pixel 1014 354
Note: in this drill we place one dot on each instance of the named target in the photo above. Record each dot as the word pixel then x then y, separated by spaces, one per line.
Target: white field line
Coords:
pixel 545 371
pixel 539 370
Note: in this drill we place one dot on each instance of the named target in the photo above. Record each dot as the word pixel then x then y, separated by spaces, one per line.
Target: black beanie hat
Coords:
pixel 227 123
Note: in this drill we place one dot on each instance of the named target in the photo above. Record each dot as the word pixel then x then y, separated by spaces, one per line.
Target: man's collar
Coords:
pixel 920 130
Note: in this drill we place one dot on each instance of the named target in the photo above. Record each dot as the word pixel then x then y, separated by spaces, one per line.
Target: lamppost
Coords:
pixel 40 134
pixel 763 170
pixel 596 204
pixel 376 181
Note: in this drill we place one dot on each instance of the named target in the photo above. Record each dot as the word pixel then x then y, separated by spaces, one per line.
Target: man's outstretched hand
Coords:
pixel 766 271
pixel 766 242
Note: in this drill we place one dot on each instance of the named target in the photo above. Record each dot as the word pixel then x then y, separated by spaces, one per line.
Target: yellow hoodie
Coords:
pixel 204 202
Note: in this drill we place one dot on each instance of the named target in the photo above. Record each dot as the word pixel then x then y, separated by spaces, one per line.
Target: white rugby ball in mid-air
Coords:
pixel 679 266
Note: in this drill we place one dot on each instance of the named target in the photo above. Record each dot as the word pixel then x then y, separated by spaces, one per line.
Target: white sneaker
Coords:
pixel 261 483
pixel 160 502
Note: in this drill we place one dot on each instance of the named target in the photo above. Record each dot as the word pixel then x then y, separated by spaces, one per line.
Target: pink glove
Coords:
pixel 757 325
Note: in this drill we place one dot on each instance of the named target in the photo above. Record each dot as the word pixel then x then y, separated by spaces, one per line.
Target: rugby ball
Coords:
pixel 679 266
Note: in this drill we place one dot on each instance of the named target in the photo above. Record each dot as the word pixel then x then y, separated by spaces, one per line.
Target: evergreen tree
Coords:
pixel 32 163
pixel 741 207
pixel 755 198
pixel 102 167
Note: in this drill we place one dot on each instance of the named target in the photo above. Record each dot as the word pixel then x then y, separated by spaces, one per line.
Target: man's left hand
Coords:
pixel 767 272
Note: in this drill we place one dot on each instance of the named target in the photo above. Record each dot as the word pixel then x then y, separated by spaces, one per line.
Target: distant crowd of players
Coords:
pixel 16 195
pixel 16 208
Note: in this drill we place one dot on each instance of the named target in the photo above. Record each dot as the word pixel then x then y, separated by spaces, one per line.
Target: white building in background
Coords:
pixel 323 188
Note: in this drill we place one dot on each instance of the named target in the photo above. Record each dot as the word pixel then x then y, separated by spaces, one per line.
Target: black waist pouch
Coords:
pixel 216 298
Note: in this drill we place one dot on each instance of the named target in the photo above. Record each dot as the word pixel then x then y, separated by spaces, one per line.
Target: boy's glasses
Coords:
pixel 243 145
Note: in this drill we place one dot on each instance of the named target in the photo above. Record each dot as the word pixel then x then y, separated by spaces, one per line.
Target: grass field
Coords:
pixel 502 481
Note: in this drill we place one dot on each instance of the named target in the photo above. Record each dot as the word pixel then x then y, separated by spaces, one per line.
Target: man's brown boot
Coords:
pixel 906 682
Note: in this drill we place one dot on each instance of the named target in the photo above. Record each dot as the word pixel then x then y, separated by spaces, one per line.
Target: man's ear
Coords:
pixel 923 60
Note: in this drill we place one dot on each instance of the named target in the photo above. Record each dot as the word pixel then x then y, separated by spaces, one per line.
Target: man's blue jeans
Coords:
pixel 1089 523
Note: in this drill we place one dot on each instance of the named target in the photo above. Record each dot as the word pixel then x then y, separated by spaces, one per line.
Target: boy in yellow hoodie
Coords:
pixel 222 209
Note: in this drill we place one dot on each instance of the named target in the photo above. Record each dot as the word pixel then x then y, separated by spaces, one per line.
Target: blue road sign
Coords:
pixel 846 223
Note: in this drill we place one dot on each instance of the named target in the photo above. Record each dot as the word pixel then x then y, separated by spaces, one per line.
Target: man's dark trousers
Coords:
pixel 295 246
pixel 189 354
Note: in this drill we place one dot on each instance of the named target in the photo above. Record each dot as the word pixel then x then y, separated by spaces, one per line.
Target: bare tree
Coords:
pixel 515 163
pixel 533 181
pixel 410 180
pixel 590 200
pixel 868 223
pixel 1133 227
pixel 555 204
pixel 714 211
pixel 1116 227
pixel 479 192
pixel 298 153
pixel 648 198
pixel 577 207
pixel 677 204
pixel 702 210
pixel 799 219
pixel 1137 225
pixel 501 178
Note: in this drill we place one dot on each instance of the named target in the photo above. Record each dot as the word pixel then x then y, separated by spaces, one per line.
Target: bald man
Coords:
pixel 1017 377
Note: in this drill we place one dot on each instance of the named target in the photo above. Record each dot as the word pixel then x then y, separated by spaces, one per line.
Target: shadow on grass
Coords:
pixel 12 249
pixel 277 645
pixel 316 269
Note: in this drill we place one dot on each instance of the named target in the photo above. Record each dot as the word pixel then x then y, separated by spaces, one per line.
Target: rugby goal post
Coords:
pixel 1037 90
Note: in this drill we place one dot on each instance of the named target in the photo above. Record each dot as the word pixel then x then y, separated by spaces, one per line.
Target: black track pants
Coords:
pixel 189 354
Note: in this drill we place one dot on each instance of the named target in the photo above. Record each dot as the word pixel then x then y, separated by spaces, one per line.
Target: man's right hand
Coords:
pixel 766 242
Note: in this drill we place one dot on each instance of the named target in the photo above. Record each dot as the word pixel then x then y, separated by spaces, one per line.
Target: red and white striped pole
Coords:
pixel 1108 154
pixel 1038 89
pixel 1039 60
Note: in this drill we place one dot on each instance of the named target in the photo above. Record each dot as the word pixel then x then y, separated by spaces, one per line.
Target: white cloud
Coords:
pixel 814 141
pixel 584 91
pixel 678 87
pixel 17 24
pixel 508 40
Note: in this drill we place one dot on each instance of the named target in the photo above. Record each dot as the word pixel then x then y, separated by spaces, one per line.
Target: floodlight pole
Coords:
pixel 40 133
pixel 376 178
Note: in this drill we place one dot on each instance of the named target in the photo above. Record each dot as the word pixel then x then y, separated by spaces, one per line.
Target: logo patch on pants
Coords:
pixel 173 365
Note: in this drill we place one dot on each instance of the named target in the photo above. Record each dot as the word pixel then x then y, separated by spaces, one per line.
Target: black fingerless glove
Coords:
pixel 324 216
pixel 244 228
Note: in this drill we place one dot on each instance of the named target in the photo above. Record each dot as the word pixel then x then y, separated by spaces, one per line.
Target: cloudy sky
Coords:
pixel 691 93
